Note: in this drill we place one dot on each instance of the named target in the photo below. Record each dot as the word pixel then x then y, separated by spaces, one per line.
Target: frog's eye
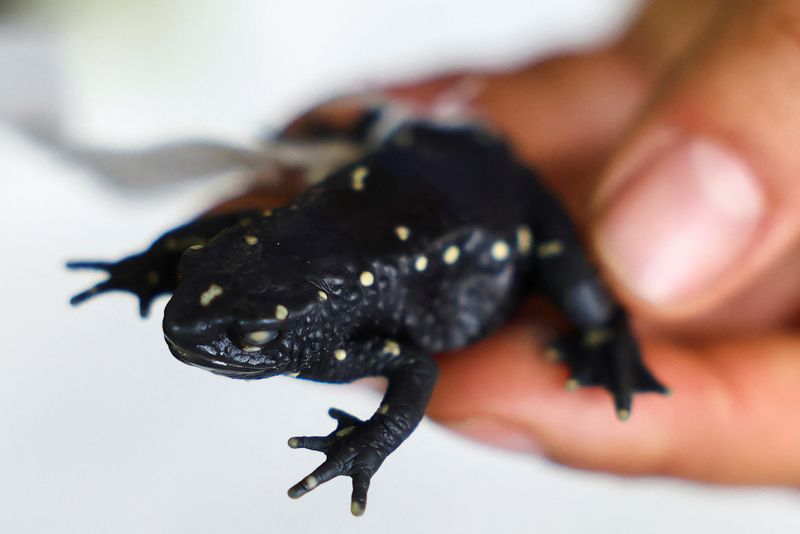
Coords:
pixel 259 338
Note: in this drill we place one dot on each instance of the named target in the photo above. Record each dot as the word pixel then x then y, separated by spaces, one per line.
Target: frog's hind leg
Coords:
pixel 607 356
pixel 602 350
pixel 154 272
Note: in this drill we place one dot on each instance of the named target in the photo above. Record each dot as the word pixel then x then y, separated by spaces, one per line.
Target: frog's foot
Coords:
pixel 140 274
pixel 354 449
pixel 608 357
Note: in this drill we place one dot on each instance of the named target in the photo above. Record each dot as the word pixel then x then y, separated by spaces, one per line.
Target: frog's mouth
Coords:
pixel 209 363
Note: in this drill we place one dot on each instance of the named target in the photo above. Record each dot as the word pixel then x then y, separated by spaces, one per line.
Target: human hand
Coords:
pixel 676 149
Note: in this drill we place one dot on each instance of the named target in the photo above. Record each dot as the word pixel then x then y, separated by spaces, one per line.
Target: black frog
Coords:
pixel 425 241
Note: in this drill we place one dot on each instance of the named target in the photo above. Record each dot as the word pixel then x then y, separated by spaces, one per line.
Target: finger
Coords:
pixel 697 216
pixel 358 500
pixel 320 475
pixel 730 419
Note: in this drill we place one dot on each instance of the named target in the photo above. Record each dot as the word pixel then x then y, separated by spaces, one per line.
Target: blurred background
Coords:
pixel 101 430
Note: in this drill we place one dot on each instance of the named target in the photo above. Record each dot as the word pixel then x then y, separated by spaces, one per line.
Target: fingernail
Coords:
pixel 680 221
pixel 498 434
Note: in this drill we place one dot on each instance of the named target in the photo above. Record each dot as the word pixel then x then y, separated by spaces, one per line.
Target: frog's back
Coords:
pixel 422 185
pixel 442 216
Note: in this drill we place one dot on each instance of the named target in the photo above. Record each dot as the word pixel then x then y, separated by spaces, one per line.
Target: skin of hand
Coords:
pixel 676 148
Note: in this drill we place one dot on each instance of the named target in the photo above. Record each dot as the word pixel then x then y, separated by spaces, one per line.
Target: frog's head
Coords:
pixel 240 310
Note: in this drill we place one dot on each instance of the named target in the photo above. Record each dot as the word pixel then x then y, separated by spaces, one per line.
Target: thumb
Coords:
pixel 697 215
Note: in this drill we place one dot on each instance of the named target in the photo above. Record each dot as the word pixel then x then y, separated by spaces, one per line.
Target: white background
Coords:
pixel 101 430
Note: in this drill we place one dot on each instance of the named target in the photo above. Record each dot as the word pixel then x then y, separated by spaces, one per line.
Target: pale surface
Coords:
pixel 103 431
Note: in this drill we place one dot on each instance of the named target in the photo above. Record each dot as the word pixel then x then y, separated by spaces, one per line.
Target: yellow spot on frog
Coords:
pixel 345 431
pixel 595 337
pixel 500 251
pixel 451 254
pixel 359 175
pixel 366 279
pixel 402 232
pixel 210 294
pixel 548 249
pixel 391 347
pixel 524 239
pixel 281 312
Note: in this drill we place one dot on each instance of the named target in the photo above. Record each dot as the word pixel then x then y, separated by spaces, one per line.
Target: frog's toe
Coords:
pixel 325 472
pixel 96 289
pixel 358 499
pixel 96 265
pixel 313 443
pixel 607 357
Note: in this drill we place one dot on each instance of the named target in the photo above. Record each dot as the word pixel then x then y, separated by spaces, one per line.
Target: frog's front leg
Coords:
pixel 603 351
pixel 357 448
pixel 155 271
